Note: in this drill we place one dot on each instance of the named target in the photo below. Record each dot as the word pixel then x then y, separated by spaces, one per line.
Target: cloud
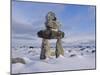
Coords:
pixel 25 31
pixel 30 17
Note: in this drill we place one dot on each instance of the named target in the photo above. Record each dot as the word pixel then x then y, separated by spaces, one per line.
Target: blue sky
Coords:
pixel 77 21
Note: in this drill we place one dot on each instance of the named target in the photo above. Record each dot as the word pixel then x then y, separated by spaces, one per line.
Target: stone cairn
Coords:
pixel 51 31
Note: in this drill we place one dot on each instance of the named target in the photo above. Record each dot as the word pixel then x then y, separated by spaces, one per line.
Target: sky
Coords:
pixel 77 21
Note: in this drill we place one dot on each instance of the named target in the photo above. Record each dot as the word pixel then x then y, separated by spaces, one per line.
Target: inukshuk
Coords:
pixel 52 31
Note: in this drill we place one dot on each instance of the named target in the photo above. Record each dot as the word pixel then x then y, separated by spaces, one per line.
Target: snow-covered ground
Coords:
pixel 75 57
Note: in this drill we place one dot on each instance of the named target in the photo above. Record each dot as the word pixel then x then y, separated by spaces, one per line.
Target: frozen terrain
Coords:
pixel 78 56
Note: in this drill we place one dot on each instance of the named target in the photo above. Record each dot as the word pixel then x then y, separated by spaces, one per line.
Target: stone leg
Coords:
pixel 48 53
pixel 59 48
pixel 45 49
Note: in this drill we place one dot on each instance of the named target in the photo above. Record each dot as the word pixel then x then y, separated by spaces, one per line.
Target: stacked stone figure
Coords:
pixel 52 31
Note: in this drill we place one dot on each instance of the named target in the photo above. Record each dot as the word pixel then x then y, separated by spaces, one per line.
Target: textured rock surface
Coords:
pixel 52 31
pixel 59 48
pixel 49 34
pixel 51 21
pixel 45 49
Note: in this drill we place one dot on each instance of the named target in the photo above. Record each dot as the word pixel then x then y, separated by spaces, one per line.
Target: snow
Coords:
pixel 75 58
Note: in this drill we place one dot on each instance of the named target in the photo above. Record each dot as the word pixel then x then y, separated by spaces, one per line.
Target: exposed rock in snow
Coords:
pixel 18 60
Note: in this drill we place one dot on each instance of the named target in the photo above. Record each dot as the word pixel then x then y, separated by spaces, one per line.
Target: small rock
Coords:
pixel 88 47
pixel 82 49
pixel 93 51
pixel 18 60
pixel 69 51
pixel 72 55
pixel 31 47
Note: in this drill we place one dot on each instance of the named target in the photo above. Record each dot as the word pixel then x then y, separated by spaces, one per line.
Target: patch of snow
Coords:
pixel 74 58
